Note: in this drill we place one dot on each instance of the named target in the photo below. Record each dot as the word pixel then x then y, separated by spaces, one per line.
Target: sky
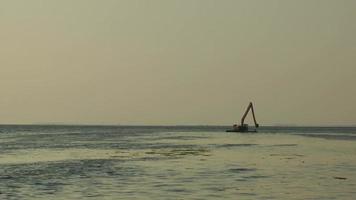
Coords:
pixel 177 62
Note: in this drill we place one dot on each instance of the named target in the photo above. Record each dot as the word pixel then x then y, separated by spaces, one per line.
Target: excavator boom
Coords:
pixel 250 107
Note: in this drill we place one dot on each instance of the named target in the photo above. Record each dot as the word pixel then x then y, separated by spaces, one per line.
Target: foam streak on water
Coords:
pixel 74 162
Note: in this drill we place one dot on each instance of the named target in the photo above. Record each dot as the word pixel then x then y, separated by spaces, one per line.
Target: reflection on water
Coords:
pixel 46 162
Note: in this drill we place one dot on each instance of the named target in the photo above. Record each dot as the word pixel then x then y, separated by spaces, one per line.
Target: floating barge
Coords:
pixel 243 128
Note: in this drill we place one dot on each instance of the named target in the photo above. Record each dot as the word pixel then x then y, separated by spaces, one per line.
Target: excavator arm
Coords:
pixel 250 107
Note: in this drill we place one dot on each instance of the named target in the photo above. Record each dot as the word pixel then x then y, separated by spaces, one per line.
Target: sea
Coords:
pixel 176 162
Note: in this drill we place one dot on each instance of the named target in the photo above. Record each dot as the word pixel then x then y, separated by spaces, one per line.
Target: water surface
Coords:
pixel 98 162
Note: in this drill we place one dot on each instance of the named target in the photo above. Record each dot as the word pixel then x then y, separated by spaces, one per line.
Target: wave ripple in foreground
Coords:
pixel 74 162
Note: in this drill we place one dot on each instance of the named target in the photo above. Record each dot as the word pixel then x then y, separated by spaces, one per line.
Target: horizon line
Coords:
pixel 167 125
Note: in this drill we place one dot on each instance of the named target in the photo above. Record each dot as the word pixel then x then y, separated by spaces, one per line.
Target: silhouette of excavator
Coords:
pixel 244 127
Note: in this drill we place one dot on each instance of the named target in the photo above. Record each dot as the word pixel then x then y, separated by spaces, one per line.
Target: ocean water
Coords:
pixel 103 162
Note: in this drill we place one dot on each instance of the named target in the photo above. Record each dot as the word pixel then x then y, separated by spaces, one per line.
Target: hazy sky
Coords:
pixel 177 61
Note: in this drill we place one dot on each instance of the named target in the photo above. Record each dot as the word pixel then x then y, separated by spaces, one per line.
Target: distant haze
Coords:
pixel 168 62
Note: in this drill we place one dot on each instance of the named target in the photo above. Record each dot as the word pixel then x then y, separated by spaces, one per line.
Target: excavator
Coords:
pixel 244 127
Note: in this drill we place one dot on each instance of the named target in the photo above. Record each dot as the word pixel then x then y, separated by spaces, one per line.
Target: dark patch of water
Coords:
pixel 242 170
pixel 233 145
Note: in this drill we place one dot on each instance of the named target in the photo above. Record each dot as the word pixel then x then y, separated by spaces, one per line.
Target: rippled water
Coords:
pixel 73 162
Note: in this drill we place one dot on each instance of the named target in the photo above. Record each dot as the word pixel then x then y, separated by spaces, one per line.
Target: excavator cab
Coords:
pixel 244 127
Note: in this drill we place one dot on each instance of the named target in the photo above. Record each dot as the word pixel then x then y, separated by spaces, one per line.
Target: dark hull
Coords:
pixel 239 131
